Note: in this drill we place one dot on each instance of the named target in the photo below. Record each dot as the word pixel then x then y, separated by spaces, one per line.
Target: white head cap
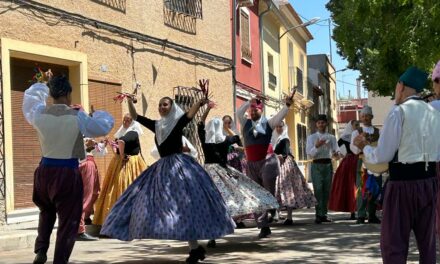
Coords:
pixel 367 110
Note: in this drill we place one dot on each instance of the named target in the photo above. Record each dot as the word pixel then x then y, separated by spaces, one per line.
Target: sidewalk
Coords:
pixel 305 242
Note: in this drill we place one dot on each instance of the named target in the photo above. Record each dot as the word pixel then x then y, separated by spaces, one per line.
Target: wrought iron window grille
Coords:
pixel 191 8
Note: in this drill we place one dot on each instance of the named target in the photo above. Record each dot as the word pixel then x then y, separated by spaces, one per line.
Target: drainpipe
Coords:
pixel 260 24
pixel 234 56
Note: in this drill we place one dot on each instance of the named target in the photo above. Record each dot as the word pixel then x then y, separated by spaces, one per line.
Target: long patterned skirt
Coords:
pixel 173 199
pixel 343 193
pixel 119 176
pixel 241 194
pixel 292 189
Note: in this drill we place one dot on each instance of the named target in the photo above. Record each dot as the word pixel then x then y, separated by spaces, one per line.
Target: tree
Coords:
pixel 381 38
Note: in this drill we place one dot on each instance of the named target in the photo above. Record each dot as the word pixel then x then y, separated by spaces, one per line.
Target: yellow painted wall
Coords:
pixel 270 35
pixel 299 49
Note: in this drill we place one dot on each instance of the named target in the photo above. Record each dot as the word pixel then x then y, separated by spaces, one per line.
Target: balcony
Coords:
pixel 272 80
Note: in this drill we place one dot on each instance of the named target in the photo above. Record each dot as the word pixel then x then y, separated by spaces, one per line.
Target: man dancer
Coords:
pixel 366 198
pixel 322 147
pixel 58 186
pixel 257 133
pixel 410 144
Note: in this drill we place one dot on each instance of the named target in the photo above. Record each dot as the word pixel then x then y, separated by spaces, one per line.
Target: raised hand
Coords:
pixel 204 86
pixel 289 98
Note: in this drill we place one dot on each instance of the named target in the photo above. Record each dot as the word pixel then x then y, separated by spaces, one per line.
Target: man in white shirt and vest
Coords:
pixel 322 147
pixel 409 143
pixel 368 183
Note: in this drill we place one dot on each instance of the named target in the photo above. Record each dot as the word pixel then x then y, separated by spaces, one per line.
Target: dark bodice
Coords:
pixel 216 153
pixel 283 148
pixel 173 143
pixel 346 144
pixel 132 145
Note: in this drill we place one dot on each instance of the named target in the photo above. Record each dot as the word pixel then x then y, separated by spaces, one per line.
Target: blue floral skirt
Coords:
pixel 173 199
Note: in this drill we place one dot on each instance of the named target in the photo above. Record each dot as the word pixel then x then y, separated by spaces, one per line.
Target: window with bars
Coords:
pixel 191 8
pixel 299 81
pixel 301 131
pixel 245 36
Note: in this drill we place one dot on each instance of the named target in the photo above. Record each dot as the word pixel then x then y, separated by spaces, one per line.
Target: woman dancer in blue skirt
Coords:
pixel 174 198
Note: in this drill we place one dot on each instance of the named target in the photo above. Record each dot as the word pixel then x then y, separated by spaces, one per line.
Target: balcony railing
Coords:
pixel 272 80
pixel 191 8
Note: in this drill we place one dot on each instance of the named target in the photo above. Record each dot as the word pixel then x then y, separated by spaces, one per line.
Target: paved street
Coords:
pixel 305 242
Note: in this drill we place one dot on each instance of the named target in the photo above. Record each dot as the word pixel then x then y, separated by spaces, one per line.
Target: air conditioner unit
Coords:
pixel 242 3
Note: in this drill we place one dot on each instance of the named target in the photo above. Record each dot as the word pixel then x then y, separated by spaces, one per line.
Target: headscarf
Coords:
pixel 346 135
pixel 214 131
pixel 165 125
pixel 436 72
pixel 134 126
pixel 276 138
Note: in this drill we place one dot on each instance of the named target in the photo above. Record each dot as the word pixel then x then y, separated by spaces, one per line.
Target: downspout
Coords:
pixel 260 24
pixel 234 56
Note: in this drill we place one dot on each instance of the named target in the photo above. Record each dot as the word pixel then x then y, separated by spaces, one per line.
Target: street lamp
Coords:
pixel 341 70
pixel 305 24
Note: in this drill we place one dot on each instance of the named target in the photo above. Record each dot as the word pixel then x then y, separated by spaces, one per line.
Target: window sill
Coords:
pixel 247 61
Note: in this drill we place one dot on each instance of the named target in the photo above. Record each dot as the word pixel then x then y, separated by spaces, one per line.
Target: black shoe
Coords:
pixel 211 243
pixel 288 222
pixel 86 237
pixel 360 220
pixel 195 255
pixel 87 221
pixel 325 219
pixel 318 220
pixel 352 216
pixel 240 225
pixel 264 232
pixel 40 258
pixel 374 220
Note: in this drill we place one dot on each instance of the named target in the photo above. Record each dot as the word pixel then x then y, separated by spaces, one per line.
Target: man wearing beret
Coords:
pixel 409 144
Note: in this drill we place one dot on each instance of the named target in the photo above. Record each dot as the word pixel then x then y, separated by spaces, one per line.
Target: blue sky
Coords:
pixel 307 9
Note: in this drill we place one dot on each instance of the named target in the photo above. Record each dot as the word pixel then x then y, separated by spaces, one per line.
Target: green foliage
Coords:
pixel 381 38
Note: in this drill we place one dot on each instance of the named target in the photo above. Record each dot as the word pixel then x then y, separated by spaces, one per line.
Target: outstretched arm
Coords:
pixel 195 108
pixel 205 114
pixel 131 108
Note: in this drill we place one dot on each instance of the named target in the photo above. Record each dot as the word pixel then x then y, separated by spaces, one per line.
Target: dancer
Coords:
pixel 257 133
pixel 236 150
pixel 368 181
pixel 408 144
pixel 322 147
pixel 292 190
pixel 90 179
pixel 343 192
pixel 174 198
pixel 126 165
pixel 58 187
pixel 242 195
